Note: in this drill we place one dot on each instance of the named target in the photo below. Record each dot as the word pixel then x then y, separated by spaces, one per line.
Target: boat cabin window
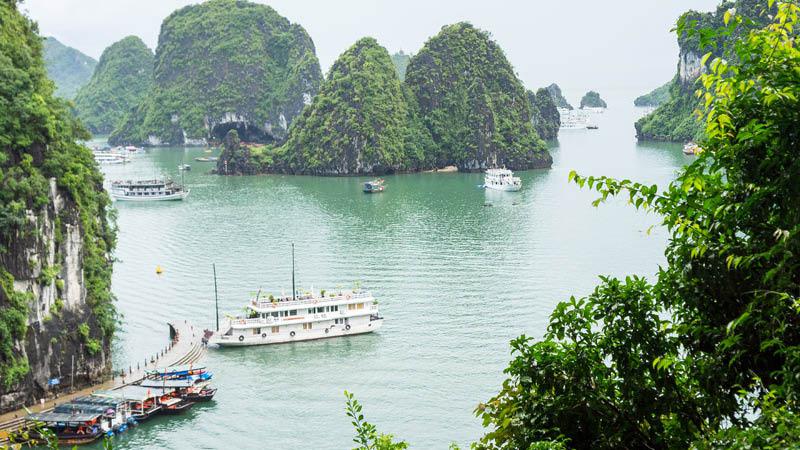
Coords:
pixel 274 314
pixel 256 330
pixel 293 312
pixel 276 329
pixel 351 306
pixel 338 321
pixel 360 306
pixel 335 308
pixel 308 326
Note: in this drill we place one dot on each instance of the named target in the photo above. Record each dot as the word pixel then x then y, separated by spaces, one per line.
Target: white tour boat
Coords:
pixel 501 180
pixel 301 318
pixel 148 190
pixel 110 158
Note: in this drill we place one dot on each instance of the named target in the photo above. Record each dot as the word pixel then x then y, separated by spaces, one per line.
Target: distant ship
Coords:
pixel 501 180
pixel 148 190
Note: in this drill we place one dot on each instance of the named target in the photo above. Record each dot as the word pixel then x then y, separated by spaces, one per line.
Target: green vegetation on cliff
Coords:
pixel 68 68
pixel 401 61
pixel 37 142
pixel 357 123
pixel 473 104
pixel 225 64
pixel 674 119
pixel 558 97
pixel 544 114
pixel 592 100
pixel 122 78
pixel 656 97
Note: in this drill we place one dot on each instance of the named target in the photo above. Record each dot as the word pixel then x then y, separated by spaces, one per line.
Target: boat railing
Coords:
pixel 309 300
pixel 276 321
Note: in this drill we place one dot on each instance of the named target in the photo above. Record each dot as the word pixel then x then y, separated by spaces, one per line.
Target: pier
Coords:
pixel 186 347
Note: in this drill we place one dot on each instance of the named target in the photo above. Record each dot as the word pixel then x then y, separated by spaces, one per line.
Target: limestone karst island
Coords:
pixel 384 226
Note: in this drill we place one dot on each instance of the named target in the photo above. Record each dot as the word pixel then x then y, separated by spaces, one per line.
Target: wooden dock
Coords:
pixel 186 348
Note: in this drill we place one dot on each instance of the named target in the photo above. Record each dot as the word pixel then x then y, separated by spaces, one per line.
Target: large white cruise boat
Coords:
pixel 501 180
pixel 301 318
pixel 147 190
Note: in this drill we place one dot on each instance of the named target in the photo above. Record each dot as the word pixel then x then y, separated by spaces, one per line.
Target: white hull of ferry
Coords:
pixel 504 187
pixel 154 198
pixel 266 337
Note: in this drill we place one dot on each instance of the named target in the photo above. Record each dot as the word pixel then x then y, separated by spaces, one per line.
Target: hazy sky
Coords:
pixel 580 44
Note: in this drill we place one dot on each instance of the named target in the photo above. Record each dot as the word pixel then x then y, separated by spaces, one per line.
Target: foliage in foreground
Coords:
pixel 707 355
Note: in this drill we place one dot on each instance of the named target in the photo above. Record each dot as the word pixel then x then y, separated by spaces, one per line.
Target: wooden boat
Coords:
pixel 201 395
pixel 374 186
pixel 71 428
pixel 175 405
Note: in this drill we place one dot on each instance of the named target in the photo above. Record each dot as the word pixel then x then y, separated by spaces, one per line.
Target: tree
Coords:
pixel 706 355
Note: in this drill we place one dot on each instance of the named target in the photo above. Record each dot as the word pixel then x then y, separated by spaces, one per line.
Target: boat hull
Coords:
pixel 337 331
pixel 166 198
pixel 504 187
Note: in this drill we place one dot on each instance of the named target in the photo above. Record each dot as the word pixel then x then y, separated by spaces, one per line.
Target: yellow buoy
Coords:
pixel 159 270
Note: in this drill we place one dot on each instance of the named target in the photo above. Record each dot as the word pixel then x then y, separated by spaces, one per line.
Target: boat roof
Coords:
pixel 134 393
pixel 72 408
pixel 174 370
pixel 63 417
pixel 95 400
pixel 182 383
pixel 497 171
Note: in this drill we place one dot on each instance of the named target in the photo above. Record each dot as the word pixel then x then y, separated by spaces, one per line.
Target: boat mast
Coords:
pixel 294 290
pixel 216 297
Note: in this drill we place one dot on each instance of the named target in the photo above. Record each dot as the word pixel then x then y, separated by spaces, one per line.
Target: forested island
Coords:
pixel 120 82
pixel 558 97
pixel 67 67
pixel 56 306
pixel 656 97
pixel 592 100
pixel 439 116
pixel 223 65
pixel 674 120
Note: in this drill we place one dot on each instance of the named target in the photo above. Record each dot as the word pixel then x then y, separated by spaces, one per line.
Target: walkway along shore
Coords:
pixel 186 347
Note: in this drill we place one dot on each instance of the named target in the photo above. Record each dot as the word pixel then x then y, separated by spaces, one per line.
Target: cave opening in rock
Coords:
pixel 247 133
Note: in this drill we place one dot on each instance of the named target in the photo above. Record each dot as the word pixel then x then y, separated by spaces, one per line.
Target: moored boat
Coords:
pixel 71 428
pixel 304 317
pixel 175 405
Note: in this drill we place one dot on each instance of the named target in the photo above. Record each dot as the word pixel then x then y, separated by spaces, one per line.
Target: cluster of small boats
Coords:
pixel 108 412
pixel 116 155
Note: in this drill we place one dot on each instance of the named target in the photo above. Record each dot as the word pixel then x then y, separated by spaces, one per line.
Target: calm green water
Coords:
pixel 458 271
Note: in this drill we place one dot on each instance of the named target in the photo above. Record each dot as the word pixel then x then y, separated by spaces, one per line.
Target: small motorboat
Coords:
pixel 184 167
pixel 207 159
pixel 592 126
pixel 374 186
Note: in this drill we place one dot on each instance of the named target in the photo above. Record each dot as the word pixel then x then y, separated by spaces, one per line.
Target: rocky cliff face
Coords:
pixel 473 104
pixel 544 114
pixel 55 239
pixel 122 78
pixel 67 67
pixel 45 270
pixel 221 65
pixel 558 97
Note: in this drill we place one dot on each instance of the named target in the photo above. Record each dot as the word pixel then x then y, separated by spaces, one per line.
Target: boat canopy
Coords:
pixel 95 400
pixel 171 401
pixel 182 383
pixel 134 393
pixel 79 408
pixel 176 370
pixel 52 417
